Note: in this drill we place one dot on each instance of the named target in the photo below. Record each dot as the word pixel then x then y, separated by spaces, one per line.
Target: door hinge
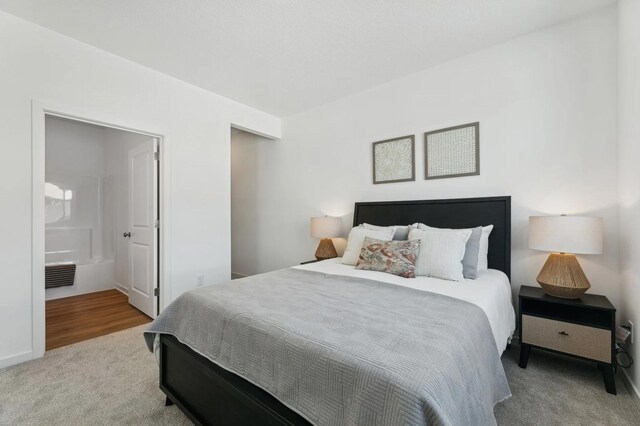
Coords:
pixel 156 223
pixel 156 291
pixel 156 155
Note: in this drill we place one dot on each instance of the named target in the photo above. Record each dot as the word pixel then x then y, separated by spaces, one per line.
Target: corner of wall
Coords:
pixel 629 174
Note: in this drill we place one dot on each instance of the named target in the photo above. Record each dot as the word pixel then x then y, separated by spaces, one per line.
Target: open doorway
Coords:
pixel 246 151
pixel 101 243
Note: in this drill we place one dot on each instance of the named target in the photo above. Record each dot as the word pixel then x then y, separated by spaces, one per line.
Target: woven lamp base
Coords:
pixel 326 249
pixel 561 276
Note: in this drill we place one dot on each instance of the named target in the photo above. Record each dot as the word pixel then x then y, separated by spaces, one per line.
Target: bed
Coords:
pixel 326 344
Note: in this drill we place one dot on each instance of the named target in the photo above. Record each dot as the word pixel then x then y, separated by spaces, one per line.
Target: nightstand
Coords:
pixel 583 328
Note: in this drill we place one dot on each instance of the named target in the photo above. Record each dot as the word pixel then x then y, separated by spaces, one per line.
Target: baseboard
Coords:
pixel 122 289
pixel 237 275
pixel 633 390
pixel 16 359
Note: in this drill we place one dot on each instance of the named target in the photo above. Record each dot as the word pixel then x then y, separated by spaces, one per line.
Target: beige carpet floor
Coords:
pixel 113 380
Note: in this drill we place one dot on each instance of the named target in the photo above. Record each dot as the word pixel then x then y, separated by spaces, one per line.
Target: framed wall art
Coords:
pixel 394 160
pixel 452 152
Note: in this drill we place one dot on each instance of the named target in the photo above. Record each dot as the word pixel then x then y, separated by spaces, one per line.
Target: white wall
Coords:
pixel 74 148
pixel 629 140
pixel 118 143
pixel 546 103
pixel 38 64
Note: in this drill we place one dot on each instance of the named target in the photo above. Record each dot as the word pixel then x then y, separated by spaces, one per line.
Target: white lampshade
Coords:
pixel 326 227
pixel 566 234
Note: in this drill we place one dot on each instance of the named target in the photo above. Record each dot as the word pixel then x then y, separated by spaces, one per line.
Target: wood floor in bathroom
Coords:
pixel 74 319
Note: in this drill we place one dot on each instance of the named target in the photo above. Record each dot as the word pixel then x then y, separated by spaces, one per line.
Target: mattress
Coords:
pixel 491 292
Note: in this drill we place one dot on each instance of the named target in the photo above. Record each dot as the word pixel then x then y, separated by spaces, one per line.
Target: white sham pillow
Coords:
pixel 483 252
pixel 401 232
pixel 356 240
pixel 441 252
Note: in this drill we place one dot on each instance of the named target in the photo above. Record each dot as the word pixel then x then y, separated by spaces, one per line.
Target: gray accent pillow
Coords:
pixel 402 233
pixel 472 250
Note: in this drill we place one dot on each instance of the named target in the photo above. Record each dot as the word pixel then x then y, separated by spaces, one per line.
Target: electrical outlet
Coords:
pixel 200 280
pixel 631 330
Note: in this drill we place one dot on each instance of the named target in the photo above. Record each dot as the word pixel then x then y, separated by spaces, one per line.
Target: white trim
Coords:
pixel 74 117
pixel 16 359
pixel 37 230
pixel 255 132
pixel 237 275
pixel 39 109
pixel 121 288
pixel 631 387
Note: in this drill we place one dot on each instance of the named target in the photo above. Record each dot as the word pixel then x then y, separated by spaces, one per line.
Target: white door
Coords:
pixel 143 239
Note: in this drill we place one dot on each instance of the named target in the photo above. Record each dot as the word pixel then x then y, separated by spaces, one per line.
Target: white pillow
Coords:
pixel 441 252
pixel 356 240
pixel 483 263
pixel 401 232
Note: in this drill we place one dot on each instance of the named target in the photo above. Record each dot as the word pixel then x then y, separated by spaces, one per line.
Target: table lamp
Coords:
pixel 565 236
pixel 325 228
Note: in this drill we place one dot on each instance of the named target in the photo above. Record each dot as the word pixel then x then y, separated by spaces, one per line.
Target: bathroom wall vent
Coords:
pixel 59 275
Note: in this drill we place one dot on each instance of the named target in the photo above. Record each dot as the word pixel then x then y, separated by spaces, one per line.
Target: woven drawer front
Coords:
pixel 588 342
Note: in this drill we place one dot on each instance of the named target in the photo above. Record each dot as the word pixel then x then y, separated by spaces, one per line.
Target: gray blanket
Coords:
pixel 346 351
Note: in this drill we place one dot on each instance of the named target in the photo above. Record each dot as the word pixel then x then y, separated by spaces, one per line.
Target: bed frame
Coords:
pixel 208 394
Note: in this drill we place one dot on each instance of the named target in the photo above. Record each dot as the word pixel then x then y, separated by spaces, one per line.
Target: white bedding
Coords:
pixel 491 292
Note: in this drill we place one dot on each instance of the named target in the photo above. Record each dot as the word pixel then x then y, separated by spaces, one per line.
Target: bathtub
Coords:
pixel 91 275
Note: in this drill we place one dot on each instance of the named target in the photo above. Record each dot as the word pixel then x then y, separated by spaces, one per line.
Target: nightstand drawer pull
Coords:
pixel 563 333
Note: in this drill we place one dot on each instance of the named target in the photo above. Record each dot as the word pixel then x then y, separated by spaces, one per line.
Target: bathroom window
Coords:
pixel 57 203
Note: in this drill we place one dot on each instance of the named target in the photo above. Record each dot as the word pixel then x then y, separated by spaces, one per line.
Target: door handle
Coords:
pixel 562 333
pixel 127 235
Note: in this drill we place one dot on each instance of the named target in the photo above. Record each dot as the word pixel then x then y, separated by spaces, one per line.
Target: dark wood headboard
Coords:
pixel 453 213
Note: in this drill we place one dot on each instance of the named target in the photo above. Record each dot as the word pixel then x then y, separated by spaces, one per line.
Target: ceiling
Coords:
pixel 286 56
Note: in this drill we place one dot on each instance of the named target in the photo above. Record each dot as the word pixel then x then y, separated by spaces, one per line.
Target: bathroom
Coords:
pixel 88 214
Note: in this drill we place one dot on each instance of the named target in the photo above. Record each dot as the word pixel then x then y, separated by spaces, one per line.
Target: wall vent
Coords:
pixel 59 275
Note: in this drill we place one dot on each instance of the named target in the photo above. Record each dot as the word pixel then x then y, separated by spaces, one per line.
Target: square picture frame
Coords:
pixel 452 152
pixel 394 160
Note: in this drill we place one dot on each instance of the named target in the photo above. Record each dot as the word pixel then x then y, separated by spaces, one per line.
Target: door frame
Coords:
pixel 39 110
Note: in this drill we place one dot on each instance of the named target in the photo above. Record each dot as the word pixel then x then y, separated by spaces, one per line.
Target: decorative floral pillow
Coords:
pixel 393 257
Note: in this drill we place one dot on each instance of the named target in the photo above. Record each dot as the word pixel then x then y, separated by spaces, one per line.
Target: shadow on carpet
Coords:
pixel 110 380
pixel 113 380
pixel 558 390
